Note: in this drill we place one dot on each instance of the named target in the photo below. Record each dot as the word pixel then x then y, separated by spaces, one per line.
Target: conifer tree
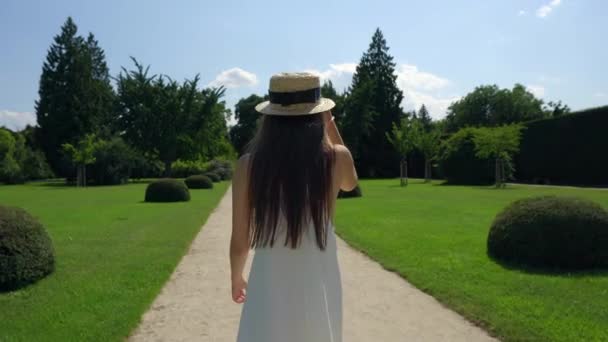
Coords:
pixel 372 107
pixel 75 95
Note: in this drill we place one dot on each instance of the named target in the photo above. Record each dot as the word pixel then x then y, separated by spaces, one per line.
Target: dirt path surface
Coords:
pixel 195 304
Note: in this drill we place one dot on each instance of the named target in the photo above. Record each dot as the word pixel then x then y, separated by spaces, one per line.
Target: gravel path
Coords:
pixel 195 304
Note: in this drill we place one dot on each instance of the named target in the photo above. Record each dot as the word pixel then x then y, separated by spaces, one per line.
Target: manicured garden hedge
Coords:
pixel 551 232
pixel 199 182
pixel 167 190
pixel 571 149
pixel 213 176
pixel 26 250
pixel 222 168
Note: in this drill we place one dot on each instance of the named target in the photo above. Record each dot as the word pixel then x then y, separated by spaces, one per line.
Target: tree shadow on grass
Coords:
pixel 61 183
pixel 55 184
pixel 475 186
pixel 415 181
pixel 141 181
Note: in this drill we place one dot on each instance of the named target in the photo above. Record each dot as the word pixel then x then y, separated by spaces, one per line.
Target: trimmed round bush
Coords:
pixel 224 173
pixel 213 176
pixel 222 168
pixel 199 182
pixel 551 232
pixel 167 190
pixel 356 192
pixel 26 250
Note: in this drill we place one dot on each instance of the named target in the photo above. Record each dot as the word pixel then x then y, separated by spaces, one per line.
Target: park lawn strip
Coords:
pixel 113 251
pixel 435 237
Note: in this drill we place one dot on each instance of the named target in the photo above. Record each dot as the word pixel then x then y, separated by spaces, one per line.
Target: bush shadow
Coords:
pixel 549 271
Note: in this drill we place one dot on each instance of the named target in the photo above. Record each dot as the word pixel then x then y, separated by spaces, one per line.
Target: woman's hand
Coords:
pixel 327 117
pixel 239 290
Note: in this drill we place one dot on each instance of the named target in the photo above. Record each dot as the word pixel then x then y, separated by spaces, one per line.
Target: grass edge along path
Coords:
pixel 435 237
pixel 114 253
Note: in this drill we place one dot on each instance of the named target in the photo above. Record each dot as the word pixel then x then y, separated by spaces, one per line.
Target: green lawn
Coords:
pixel 435 237
pixel 113 254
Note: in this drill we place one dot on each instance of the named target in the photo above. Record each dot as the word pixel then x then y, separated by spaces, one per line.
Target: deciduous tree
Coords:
pixel 500 143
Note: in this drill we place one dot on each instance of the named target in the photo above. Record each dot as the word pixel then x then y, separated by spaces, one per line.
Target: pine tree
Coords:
pixel 75 95
pixel 101 99
pixel 372 106
pixel 425 118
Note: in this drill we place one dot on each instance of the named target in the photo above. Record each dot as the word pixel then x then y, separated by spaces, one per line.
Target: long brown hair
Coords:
pixel 291 166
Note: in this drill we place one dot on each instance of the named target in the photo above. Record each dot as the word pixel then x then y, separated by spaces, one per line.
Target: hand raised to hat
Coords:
pixel 331 129
pixel 327 117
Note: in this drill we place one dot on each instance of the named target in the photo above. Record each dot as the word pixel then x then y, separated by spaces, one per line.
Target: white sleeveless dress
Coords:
pixel 294 295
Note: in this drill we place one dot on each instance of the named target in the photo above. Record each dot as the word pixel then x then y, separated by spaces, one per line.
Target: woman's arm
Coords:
pixel 332 130
pixel 239 242
pixel 344 159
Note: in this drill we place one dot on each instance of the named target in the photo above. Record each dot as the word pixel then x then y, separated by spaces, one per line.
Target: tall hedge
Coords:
pixel 571 149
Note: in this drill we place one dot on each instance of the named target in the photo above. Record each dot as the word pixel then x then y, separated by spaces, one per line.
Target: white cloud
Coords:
pixel 234 78
pixel 419 87
pixel 436 105
pixel 408 76
pixel 537 90
pixel 600 94
pixel 521 13
pixel 335 71
pixel 550 79
pixel 544 10
pixel 16 121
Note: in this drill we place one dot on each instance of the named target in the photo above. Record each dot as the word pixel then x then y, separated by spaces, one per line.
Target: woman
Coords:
pixel 284 195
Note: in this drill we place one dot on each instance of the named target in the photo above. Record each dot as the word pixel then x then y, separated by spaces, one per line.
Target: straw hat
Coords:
pixel 295 94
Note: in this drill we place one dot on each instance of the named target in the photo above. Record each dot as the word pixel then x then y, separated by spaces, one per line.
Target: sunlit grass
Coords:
pixel 435 237
pixel 113 254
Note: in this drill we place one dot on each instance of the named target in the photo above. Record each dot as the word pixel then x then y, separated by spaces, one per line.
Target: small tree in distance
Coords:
pixel 82 155
pixel 402 139
pixel 499 143
pixel 428 142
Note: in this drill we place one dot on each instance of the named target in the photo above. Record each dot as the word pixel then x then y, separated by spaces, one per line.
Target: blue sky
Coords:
pixel 443 49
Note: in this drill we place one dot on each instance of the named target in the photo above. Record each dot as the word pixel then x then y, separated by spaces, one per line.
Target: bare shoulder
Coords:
pixel 244 159
pixel 345 167
pixel 242 165
pixel 342 154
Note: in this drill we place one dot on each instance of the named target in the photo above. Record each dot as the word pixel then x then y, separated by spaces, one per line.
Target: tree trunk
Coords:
pixel 405 171
pixel 78 176
pixel 84 175
pixel 401 172
pixel 427 170
pixel 503 178
pixel 497 175
pixel 167 172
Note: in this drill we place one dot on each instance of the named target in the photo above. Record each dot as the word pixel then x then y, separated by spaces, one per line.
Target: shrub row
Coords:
pixel 221 169
pixel 570 149
pixel 18 161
